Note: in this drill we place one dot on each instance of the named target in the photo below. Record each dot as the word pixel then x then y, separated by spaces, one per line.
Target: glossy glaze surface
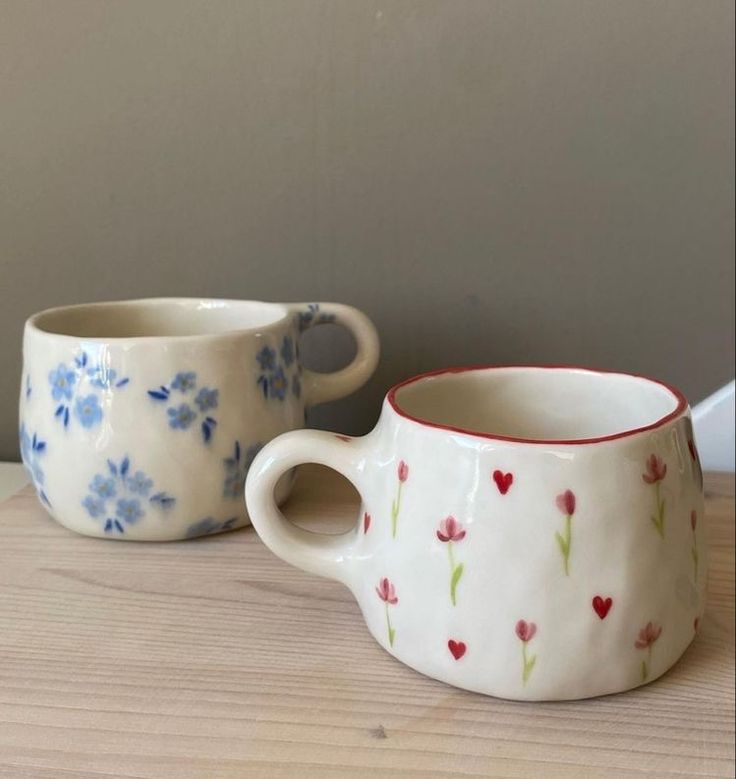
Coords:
pixel 524 569
pixel 147 431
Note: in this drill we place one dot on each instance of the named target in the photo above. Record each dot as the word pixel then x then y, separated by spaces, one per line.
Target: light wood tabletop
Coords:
pixel 212 658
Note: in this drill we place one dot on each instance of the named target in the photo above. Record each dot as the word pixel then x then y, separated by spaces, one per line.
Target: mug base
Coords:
pixel 527 694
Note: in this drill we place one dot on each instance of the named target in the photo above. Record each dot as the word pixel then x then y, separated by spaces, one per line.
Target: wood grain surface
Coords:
pixel 212 658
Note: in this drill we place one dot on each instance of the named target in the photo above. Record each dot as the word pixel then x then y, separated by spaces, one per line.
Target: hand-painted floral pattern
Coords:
pixel 236 469
pixel 387 593
pixel 451 531
pixel 525 632
pixel 32 449
pixel 120 497
pixel 366 522
pixel 566 504
pixel 29 388
pixel 73 401
pixel 647 636
pixel 182 415
pixel 208 526
pixel 278 377
pixel 402 473
pixel 312 315
pixel 656 470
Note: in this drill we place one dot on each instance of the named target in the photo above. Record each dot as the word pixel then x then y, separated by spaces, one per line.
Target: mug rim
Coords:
pixel 32 323
pixel 680 408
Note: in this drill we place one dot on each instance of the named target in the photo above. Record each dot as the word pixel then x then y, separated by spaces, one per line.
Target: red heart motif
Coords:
pixel 503 481
pixel 366 521
pixel 457 648
pixel 601 606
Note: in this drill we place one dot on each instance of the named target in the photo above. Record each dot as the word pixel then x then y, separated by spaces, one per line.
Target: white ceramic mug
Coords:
pixel 139 419
pixel 526 532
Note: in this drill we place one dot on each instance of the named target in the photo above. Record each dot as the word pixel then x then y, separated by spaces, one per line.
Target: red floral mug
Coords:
pixel 532 533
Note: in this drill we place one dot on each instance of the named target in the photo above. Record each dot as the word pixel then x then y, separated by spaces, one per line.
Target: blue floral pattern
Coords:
pixel 121 498
pixel 236 469
pixel 312 316
pixel 65 382
pixel 182 416
pixel 32 448
pixel 208 525
pixel 278 376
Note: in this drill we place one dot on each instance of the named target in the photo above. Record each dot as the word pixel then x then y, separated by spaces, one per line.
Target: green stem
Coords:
pixel 391 631
pixel 659 524
pixel 528 664
pixel 395 508
pixel 524 676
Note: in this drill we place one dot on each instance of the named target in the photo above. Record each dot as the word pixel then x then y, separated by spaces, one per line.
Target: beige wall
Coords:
pixel 491 181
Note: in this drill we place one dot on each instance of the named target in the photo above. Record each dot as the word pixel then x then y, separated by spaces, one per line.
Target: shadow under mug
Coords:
pixel 533 533
pixel 139 419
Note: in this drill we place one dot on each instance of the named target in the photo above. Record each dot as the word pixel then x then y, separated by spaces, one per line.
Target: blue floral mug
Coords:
pixel 139 419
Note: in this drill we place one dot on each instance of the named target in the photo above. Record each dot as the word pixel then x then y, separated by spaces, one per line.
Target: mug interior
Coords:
pixel 538 404
pixel 158 317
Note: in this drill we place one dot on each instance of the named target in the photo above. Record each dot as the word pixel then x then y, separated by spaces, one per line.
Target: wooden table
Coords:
pixel 212 658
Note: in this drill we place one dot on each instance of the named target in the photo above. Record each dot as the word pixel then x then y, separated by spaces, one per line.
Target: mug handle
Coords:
pixel 319 553
pixel 322 387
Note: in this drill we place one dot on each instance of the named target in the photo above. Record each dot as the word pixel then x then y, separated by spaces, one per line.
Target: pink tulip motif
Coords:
pixel 656 470
pixel 402 473
pixel 525 632
pixel 694 548
pixel 566 504
pixel 387 593
pixel 647 636
pixel 451 531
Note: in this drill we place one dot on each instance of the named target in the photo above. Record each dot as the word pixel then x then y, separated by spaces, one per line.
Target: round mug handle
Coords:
pixel 322 387
pixel 318 553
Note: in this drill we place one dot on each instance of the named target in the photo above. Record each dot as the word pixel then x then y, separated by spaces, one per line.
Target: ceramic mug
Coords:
pixel 139 419
pixel 532 533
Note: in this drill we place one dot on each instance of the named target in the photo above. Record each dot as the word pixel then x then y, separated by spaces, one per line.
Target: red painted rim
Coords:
pixel 680 408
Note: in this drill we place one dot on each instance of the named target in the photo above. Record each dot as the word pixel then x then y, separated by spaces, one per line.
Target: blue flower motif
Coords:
pixel 62 382
pixel 287 350
pixel 184 381
pixel 206 398
pixel 95 506
pixel 203 527
pixel 103 486
pixel 181 417
pixel 102 377
pixel 139 483
pixel 266 358
pixel 236 469
pixel 209 525
pixel 128 491
pixel 296 387
pixel 278 384
pixel 88 410
pixel 129 510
